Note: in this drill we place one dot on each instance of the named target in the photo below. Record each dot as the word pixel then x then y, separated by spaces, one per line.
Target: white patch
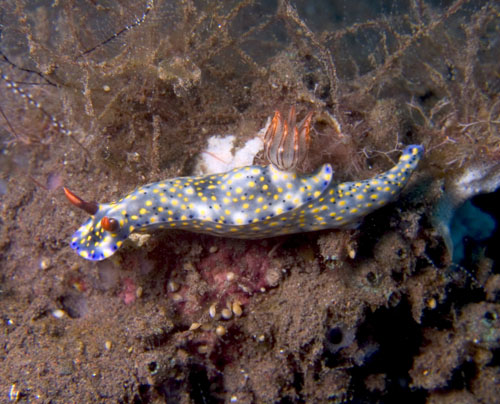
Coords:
pixel 219 156
pixel 476 180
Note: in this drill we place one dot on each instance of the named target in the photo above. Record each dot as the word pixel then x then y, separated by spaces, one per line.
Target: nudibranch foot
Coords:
pixel 251 202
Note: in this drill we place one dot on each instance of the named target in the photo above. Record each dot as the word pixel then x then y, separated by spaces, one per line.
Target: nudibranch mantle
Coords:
pixel 251 202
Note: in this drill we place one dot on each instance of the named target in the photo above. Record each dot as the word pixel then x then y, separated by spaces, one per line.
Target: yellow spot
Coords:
pixel 341 203
pixel 374 196
pixel 251 184
pixel 265 187
pixel 255 171
pixel 183 217
pixel 149 203
pixel 134 197
pixel 227 212
pixel 131 229
pixel 175 202
pixel 163 200
pixel 216 206
pixel 289 185
pixel 246 206
pixel 391 176
pixel 143 211
pixel 333 214
pixel 354 210
pixel 257 210
pixel 84 254
pixel 239 190
pixel 317 193
pixel 124 212
pixel 339 218
pixel 152 220
pixel 260 199
pixel 213 198
pixel 134 217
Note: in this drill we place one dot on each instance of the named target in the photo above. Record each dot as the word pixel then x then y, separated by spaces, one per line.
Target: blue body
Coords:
pixel 250 202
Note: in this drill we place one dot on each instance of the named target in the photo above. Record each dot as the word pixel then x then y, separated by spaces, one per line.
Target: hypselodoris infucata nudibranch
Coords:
pixel 250 202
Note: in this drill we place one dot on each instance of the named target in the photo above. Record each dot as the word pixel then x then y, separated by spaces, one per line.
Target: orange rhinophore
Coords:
pixel 90 207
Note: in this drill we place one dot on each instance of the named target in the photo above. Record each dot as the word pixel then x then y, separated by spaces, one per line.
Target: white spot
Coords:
pixel 219 157
pixel 58 313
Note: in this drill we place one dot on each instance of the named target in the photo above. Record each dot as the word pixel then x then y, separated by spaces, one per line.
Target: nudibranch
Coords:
pixel 250 202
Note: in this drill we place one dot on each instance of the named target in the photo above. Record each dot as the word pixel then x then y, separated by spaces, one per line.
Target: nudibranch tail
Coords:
pixel 250 202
